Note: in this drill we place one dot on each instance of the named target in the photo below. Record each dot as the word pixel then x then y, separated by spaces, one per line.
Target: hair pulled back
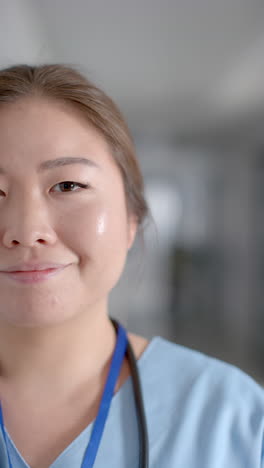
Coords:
pixel 65 83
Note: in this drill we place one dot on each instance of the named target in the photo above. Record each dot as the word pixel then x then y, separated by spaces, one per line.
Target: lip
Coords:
pixel 30 277
pixel 32 266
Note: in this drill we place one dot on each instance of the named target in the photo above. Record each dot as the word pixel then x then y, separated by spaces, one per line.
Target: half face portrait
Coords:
pixel 62 201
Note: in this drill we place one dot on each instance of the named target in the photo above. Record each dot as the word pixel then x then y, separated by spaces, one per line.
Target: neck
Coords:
pixel 56 359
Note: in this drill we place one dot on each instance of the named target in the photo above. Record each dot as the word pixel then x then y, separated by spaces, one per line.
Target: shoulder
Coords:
pixel 189 394
pixel 172 363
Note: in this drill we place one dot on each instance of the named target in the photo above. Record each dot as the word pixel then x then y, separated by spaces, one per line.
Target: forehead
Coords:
pixel 39 126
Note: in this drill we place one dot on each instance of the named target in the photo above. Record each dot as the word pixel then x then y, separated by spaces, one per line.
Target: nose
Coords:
pixel 27 224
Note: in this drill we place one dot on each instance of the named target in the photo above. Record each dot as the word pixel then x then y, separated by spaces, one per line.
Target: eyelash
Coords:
pixel 84 186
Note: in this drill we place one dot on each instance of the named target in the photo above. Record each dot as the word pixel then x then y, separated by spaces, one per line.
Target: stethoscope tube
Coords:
pixel 141 417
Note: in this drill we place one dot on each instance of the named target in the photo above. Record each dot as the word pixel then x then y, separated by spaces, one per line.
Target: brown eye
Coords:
pixel 67 186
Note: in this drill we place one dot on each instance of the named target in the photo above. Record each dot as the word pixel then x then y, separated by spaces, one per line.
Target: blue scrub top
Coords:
pixel 201 413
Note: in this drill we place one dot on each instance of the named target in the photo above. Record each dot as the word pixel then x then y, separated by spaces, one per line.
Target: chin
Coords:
pixel 35 321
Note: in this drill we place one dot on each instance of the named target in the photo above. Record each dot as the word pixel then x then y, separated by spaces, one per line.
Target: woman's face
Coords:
pixel 43 220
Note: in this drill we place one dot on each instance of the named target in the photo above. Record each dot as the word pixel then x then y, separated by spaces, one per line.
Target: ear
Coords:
pixel 131 230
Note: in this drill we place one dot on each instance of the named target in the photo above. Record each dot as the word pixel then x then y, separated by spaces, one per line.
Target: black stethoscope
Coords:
pixel 122 348
pixel 141 418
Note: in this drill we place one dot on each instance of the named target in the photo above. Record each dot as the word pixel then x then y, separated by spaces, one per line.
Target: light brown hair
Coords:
pixel 65 83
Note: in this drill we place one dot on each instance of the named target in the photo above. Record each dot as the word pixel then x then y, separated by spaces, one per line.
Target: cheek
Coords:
pixel 96 229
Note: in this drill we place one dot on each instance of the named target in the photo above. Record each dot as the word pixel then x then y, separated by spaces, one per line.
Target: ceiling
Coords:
pixel 176 68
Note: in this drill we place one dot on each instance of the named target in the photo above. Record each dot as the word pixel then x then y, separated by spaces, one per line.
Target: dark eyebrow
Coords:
pixel 53 163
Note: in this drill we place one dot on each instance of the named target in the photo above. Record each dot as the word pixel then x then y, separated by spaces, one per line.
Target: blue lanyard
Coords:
pixel 99 424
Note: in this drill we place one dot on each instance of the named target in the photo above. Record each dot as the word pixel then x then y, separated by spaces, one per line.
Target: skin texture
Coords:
pixel 47 328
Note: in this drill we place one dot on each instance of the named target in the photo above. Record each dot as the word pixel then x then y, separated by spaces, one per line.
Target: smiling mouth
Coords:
pixel 34 276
